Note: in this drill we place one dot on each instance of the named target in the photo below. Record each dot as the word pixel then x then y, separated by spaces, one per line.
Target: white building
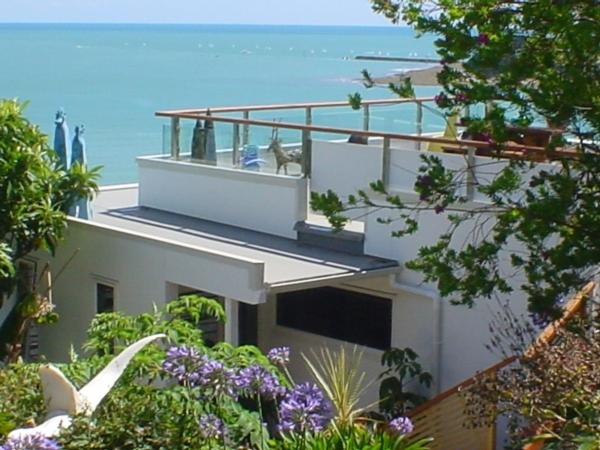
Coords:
pixel 249 238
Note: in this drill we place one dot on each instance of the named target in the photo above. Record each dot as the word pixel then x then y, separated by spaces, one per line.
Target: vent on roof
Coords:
pixel 351 242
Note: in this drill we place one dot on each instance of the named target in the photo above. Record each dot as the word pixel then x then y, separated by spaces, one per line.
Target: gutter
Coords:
pixel 436 371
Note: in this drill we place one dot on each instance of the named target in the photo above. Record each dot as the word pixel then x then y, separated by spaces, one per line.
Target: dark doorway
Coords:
pixel 247 324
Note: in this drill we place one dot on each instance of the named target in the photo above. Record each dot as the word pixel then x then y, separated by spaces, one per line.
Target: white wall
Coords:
pixel 258 201
pixel 405 163
pixel 344 168
pixel 465 331
pixel 412 317
pixel 143 272
pixel 488 168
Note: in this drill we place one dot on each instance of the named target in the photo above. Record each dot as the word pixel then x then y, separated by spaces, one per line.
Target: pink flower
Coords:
pixel 441 99
pixel 483 39
pixel 461 97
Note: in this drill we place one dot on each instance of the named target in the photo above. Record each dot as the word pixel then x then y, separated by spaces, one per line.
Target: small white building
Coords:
pixel 248 237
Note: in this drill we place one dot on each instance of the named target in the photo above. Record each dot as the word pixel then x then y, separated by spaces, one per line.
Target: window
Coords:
pixel 340 314
pixel 105 298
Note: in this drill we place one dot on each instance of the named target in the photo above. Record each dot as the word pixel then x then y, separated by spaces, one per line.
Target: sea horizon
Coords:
pixel 112 77
pixel 194 24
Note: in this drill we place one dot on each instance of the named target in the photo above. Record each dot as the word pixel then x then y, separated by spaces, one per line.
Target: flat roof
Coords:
pixel 287 263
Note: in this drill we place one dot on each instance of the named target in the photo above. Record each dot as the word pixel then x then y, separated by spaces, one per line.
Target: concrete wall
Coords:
pixel 143 273
pixel 257 201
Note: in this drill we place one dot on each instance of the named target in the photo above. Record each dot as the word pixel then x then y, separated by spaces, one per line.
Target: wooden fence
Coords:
pixel 444 418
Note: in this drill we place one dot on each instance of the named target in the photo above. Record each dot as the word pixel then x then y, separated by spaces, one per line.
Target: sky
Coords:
pixel 296 12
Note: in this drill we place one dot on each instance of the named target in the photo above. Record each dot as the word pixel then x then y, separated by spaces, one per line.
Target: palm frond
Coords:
pixel 338 374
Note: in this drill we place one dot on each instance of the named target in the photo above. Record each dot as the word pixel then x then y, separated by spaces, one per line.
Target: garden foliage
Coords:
pixel 550 393
pixel 35 195
pixel 184 394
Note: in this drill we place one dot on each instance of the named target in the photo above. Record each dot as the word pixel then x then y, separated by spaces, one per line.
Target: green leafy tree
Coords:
pixel 402 369
pixel 35 195
pixel 527 61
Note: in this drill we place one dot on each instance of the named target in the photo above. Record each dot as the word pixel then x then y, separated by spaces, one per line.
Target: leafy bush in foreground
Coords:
pixel 189 395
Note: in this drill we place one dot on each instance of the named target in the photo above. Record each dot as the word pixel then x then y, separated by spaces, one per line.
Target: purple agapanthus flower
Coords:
pixel 280 356
pixel 211 427
pixel 304 409
pixel 401 425
pixel 181 363
pixel 30 442
pixel 256 379
pixel 214 375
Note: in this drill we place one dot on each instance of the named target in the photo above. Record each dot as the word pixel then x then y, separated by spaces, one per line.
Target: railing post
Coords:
pixel 306 153
pixel 175 131
pixel 235 145
pixel 366 117
pixel 307 144
pixel 308 116
pixel 470 178
pixel 246 130
pixel 419 118
pixel 385 163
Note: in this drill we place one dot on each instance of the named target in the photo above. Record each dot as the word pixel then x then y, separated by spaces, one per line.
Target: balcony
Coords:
pixel 250 184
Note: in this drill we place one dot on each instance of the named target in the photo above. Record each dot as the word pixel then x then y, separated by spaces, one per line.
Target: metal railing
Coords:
pixel 307 128
pixel 241 125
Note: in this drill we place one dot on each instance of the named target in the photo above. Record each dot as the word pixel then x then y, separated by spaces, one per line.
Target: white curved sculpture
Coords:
pixel 63 400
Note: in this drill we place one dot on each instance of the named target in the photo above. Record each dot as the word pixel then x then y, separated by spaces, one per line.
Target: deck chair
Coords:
pixel 449 133
pixel 250 159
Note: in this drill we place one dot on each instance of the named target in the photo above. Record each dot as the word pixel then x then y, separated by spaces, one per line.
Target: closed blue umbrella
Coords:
pixel 81 208
pixel 210 152
pixel 198 142
pixel 62 146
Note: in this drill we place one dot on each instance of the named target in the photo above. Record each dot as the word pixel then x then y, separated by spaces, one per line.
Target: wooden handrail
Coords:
pixel 457 388
pixel 573 307
pixel 280 106
pixel 464 143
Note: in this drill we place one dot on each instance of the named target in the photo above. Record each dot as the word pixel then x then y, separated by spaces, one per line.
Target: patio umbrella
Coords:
pixel 62 146
pixel 210 146
pixel 199 141
pixel 81 208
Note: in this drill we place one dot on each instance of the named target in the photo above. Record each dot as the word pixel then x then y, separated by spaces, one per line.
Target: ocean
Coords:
pixel 112 78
